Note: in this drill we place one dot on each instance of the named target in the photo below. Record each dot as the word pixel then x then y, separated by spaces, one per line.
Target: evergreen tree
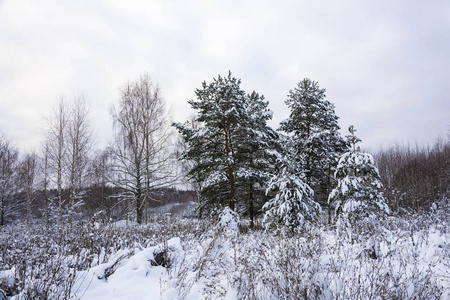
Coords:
pixel 221 109
pixel 231 151
pixel 314 127
pixel 294 199
pixel 257 155
pixel 358 184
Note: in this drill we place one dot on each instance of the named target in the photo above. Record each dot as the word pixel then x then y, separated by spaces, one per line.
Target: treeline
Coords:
pixel 28 192
pixel 228 153
pixel 67 180
pixel 415 177
pixel 100 204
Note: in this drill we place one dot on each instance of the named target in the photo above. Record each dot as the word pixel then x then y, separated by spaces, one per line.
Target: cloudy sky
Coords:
pixel 385 64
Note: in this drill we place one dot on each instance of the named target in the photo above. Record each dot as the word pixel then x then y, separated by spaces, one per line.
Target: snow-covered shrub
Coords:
pixel 208 269
pixel 280 266
pixel 38 264
pixel 398 257
pixel 229 221
pixel 320 264
pixel 34 266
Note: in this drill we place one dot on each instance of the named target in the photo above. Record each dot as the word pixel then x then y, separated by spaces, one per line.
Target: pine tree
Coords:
pixel 231 152
pixel 294 199
pixel 257 155
pixel 221 109
pixel 358 184
pixel 314 127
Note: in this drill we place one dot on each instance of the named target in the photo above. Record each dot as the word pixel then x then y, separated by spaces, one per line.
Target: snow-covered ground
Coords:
pixel 398 257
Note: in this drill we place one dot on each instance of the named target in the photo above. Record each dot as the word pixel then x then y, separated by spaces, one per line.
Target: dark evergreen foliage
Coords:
pixel 220 107
pixel 293 202
pixel 257 154
pixel 314 127
pixel 232 151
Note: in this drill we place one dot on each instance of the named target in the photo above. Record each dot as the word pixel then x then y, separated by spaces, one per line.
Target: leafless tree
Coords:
pixel 8 160
pixel 186 165
pixel 415 177
pixel 65 153
pixel 27 172
pixel 80 140
pixel 142 147
pixel 57 149
pixel 45 181
pixel 101 201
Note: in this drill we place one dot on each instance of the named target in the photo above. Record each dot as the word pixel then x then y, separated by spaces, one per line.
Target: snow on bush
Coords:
pixel 229 220
pixel 144 273
pixel 383 258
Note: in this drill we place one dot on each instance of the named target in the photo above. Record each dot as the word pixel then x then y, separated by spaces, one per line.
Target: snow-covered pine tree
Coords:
pixel 314 127
pixel 221 109
pixel 294 199
pixel 357 193
pixel 257 155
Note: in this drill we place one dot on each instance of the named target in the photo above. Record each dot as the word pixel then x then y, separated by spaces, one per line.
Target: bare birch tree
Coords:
pixel 188 164
pixel 80 140
pixel 45 181
pixel 27 170
pixel 66 149
pixel 57 149
pixel 8 160
pixel 142 149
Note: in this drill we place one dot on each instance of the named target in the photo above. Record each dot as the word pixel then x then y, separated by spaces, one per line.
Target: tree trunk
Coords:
pixel 59 185
pixel 138 199
pixel 46 212
pixel 228 151
pixel 2 211
pixel 251 209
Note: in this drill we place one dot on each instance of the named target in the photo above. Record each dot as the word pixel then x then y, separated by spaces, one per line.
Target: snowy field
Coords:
pixel 400 257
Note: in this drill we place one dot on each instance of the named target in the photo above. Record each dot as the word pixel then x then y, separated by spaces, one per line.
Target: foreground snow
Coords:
pixel 133 278
pixel 256 266
pixel 391 258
